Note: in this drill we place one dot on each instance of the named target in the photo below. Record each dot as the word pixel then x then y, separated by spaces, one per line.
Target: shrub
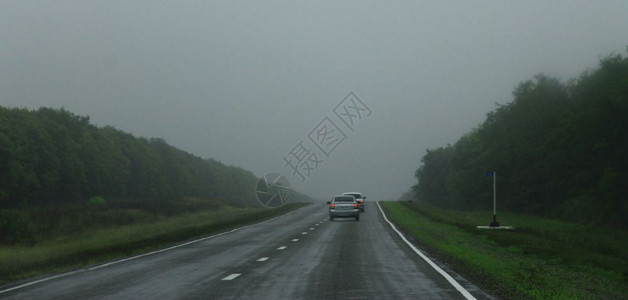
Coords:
pixel 97 201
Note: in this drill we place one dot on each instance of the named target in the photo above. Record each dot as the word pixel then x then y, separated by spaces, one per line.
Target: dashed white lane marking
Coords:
pixel 311 228
pixel 232 276
pixel 137 256
pixel 451 280
pixel 263 259
pixel 295 240
pixel 304 233
pixel 317 224
pixel 282 248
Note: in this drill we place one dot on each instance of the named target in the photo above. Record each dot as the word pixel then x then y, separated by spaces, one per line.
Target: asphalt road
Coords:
pixel 300 255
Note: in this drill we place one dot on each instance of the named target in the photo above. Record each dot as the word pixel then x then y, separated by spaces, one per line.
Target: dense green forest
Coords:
pixel 61 175
pixel 559 150
pixel 51 157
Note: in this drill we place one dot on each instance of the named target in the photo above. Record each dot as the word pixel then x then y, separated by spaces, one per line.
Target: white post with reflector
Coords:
pixel 494 224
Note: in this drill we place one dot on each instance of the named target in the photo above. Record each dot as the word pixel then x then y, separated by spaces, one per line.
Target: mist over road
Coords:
pixel 300 255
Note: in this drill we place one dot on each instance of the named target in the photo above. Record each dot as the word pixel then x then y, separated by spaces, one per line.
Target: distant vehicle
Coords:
pixel 343 206
pixel 359 198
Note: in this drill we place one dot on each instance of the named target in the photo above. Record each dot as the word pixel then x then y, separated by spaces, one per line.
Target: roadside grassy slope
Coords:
pixel 540 259
pixel 101 244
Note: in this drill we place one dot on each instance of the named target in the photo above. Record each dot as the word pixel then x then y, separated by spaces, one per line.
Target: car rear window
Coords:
pixel 343 199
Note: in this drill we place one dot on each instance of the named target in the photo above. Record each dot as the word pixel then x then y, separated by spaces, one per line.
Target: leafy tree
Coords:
pixel 53 157
pixel 432 186
pixel 559 150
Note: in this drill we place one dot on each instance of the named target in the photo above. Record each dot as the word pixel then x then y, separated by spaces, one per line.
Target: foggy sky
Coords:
pixel 244 82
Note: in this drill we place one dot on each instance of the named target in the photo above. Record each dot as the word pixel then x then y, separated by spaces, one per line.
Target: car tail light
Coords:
pixel 333 206
pixel 355 205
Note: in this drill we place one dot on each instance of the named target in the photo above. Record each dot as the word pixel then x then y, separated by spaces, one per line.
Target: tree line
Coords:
pixel 559 150
pixel 54 157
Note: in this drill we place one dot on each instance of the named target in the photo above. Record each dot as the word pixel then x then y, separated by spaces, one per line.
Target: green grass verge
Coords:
pixel 98 245
pixel 540 259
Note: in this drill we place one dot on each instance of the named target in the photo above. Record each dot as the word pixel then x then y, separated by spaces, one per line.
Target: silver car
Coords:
pixel 359 198
pixel 344 206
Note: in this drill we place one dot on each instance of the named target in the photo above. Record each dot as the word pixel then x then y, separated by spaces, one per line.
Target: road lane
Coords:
pixel 334 260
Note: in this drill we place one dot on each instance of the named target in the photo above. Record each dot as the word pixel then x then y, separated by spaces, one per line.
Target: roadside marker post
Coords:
pixel 494 224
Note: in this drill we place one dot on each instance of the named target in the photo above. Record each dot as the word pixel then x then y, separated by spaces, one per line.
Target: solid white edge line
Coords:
pixel 232 276
pixel 138 256
pixel 451 280
pixel 42 280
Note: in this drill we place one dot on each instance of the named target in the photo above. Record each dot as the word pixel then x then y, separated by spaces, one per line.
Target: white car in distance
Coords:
pixel 359 198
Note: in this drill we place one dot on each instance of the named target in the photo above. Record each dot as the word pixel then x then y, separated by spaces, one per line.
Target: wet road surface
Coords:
pixel 300 255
